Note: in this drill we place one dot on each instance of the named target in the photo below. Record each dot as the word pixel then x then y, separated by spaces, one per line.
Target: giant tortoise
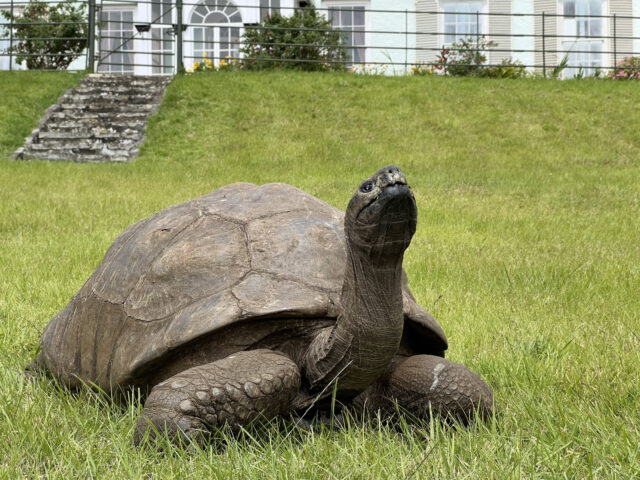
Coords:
pixel 257 301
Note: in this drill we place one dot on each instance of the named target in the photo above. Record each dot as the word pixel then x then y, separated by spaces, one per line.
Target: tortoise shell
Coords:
pixel 242 252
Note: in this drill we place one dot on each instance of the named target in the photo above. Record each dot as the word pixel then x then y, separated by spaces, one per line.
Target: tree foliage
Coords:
pixel 49 36
pixel 303 41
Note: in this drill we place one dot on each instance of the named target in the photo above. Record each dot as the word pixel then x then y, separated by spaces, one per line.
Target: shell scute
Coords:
pixel 309 247
pixel 203 316
pixel 208 256
pixel 265 294
pixel 121 270
pixel 245 202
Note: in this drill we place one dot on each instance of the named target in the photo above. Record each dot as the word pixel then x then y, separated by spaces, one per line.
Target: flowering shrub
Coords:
pixel 626 69
pixel 421 69
pixel 206 65
pixel 468 58
pixel 369 69
pixel 463 58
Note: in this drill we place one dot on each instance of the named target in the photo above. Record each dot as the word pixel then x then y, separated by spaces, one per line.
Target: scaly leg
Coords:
pixel 422 384
pixel 232 391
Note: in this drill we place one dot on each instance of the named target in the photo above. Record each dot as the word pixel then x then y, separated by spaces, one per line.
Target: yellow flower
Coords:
pixel 204 54
pixel 195 64
pixel 228 56
pixel 190 70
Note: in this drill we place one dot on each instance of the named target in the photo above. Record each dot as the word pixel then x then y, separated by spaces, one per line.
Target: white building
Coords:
pixel 517 27
pixel 397 33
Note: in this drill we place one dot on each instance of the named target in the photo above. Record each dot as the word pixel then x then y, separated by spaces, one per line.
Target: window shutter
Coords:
pixel 500 25
pixel 426 26
pixel 551 30
pixel 624 28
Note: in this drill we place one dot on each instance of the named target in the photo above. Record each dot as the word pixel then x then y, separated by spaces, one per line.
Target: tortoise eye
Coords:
pixel 366 187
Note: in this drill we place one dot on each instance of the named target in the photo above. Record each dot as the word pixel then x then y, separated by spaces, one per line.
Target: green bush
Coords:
pixel 303 41
pixel 49 37
pixel 468 58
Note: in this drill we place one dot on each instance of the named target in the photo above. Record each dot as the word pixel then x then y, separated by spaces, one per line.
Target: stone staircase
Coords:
pixel 101 120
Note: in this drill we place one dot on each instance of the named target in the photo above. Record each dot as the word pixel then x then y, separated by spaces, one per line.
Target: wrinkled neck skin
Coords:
pixel 358 349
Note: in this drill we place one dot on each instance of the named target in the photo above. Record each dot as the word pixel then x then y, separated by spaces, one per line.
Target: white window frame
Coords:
pixel 326 5
pixel 190 36
pixel 4 41
pixel 563 42
pixel 164 57
pixel 483 21
pixel 270 8
pixel 4 60
pixel 119 8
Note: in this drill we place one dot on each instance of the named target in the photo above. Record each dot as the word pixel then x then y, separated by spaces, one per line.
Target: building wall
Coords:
pixel 524 27
pixel 499 30
pixel 6 61
pixel 548 59
pixel 427 43
pixel 395 50
pixel 636 26
pixel 623 28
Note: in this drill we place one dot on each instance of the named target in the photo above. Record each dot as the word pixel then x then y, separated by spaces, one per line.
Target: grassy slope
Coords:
pixel 527 253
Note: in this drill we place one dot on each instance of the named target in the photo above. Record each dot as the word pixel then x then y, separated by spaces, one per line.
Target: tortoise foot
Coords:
pixel 423 385
pixel 233 391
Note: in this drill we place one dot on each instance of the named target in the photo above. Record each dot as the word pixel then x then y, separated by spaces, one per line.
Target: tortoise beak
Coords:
pixel 391 175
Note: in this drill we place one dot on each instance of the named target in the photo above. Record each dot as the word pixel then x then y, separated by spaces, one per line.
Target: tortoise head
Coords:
pixel 381 217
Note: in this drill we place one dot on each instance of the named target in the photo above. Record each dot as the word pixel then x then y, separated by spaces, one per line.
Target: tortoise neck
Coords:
pixel 368 330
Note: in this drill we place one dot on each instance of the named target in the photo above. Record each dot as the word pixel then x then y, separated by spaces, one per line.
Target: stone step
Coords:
pixel 75 156
pixel 136 82
pixel 116 89
pixel 109 107
pixel 77 115
pixel 51 133
pixel 66 124
pixel 114 77
pixel 107 98
pixel 112 143
pixel 101 120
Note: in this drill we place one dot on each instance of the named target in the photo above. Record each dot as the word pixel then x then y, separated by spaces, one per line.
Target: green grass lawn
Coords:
pixel 527 252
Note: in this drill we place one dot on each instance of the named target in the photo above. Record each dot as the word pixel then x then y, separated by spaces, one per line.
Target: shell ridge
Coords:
pixel 187 305
pixel 281 276
pixel 134 228
pixel 159 254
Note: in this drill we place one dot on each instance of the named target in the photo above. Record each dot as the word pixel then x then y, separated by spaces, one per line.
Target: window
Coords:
pixel 351 20
pixel 4 43
pixel 461 20
pixel 580 21
pixel 220 38
pixel 161 37
pixel 162 50
pixel 116 41
pixel 269 7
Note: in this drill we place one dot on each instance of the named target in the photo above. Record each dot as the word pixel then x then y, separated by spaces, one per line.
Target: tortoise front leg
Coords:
pixel 232 391
pixel 425 384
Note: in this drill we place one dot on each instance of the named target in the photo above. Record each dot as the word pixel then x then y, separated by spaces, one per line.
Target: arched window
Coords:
pixel 216 30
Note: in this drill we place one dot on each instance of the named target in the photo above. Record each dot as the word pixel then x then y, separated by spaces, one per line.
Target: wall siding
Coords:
pixel 550 29
pixel 426 23
pixel 636 27
pixel 624 28
pixel 499 25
